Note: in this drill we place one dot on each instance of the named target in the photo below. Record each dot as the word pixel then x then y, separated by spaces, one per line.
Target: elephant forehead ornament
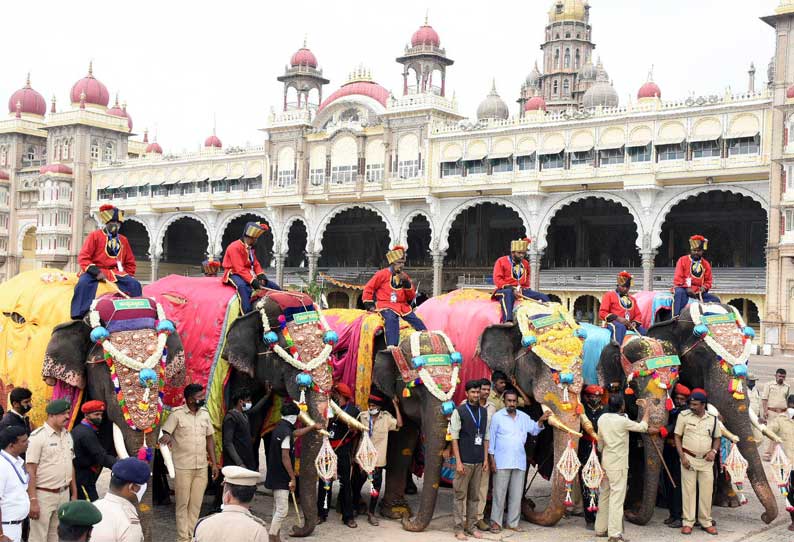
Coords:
pixel 726 334
pixel 655 363
pixel 557 340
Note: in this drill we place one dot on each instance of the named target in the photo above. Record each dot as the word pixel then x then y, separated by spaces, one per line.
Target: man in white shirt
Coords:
pixel 14 502
pixel 120 521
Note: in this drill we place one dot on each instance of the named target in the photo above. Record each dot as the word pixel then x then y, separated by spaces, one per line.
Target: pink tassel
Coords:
pixel 668 404
pixel 142 453
pixel 374 493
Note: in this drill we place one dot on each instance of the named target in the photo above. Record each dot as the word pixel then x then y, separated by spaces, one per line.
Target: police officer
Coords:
pixel 49 462
pixel 697 440
pixel 76 520
pixel 235 522
pixel 89 455
pixel 120 521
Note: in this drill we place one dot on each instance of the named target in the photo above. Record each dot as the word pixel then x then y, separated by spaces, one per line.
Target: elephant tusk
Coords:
pixel 118 443
pixel 763 428
pixel 307 421
pixel 347 418
pixel 555 422
pixel 727 434
pixel 168 459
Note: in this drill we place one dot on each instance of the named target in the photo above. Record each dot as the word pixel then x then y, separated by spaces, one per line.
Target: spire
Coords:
pixel 146 135
pixel 214 120
pixel 90 68
pixel 116 105
pixel 305 40
pixel 52 108
pixel 427 16
pixel 650 74
pixel 493 87
pixel 124 106
pixel 27 81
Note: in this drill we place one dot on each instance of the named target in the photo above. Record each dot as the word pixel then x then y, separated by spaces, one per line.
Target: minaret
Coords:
pixel 422 59
pixel 751 78
pixel 303 75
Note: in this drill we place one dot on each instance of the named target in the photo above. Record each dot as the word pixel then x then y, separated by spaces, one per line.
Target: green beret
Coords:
pixel 58 406
pixel 81 513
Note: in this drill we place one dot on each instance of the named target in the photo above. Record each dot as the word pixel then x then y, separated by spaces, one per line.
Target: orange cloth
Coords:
pixel 503 273
pixel 237 261
pixel 683 271
pixel 380 289
pixel 94 252
pixel 610 304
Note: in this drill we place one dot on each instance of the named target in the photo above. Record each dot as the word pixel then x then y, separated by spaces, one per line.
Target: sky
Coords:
pixel 181 64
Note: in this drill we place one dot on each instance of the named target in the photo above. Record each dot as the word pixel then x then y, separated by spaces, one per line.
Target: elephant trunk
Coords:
pixel 311 443
pixel 755 473
pixel 642 514
pixel 434 429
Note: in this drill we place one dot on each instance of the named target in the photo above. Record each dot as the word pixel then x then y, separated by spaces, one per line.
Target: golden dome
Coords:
pixel 567 10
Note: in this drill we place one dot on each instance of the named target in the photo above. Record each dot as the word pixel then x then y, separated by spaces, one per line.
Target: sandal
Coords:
pixel 351 523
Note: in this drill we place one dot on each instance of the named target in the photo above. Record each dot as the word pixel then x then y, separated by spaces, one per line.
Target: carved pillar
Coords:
pixel 534 270
pixel 279 257
pixel 155 262
pixel 647 270
pixel 313 257
pixel 438 268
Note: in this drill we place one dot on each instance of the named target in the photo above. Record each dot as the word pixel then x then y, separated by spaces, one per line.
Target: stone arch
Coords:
pixel 661 217
pixel 749 308
pixel 24 227
pixel 228 219
pixel 588 304
pixel 318 236
pixel 138 249
pixel 541 242
pixel 295 256
pixel 158 246
pixel 403 238
pixel 417 241
pixel 443 238
pixel 283 239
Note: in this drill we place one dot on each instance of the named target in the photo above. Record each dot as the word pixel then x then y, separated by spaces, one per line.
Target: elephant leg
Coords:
pixel 724 494
pixel 401 450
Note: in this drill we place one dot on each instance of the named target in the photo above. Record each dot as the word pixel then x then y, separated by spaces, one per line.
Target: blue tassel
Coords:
pixel 456 358
pixel 700 330
pixel 447 407
pixel 581 332
pixel 749 332
pixel 166 326
pixel 99 334
pixel 330 337
pixel 528 340
pixel 270 337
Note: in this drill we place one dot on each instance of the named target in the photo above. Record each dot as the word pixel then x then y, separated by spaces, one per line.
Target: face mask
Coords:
pixel 201 403
pixel 291 418
pixel 247 406
pixel 790 412
pixel 24 409
pixel 374 411
pixel 140 492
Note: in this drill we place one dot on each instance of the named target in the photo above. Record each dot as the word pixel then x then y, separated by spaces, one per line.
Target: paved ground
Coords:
pixel 738 524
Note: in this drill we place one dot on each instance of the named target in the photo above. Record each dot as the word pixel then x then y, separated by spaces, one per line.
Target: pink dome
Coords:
pixel 425 36
pixel 95 92
pixel 790 92
pixel 303 57
pixel 154 148
pixel 4 175
pixel 56 168
pixel 536 103
pixel 360 88
pixel 213 141
pixel 31 101
pixel 649 90
pixel 117 111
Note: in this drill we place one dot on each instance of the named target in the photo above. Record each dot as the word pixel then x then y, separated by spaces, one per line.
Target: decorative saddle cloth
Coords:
pixel 121 314
pixel 289 302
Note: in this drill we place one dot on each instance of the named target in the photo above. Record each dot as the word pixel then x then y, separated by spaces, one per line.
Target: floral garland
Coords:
pixel 293 358
pixel 100 334
pixel 427 379
pixel 702 330
pixel 149 383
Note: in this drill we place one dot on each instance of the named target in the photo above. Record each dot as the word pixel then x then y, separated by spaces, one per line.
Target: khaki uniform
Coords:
pixel 384 423
pixel 783 426
pixel 189 451
pixel 776 397
pixel 697 435
pixel 233 523
pixel 613 440
pixel 120 521
pixel 52 452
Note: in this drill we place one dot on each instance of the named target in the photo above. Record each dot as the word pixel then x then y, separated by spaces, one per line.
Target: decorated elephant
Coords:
pixel 122 353
pixel 649 368
pixel 714 345
pixel 543 353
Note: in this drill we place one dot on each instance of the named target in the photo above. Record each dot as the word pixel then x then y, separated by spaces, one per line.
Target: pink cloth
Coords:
pixel 349 336
pixel 463 315
pixel 197 307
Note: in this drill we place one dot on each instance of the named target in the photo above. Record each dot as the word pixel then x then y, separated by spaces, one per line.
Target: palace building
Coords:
pixel 600 186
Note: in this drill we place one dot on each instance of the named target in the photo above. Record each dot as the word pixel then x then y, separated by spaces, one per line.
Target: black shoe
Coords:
pixel 668 521
pixel 321 519
pixel 675 524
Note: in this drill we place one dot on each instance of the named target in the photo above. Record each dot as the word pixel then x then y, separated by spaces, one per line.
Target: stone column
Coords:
pixel 534 271
pixel 155 262
pixel 313 257
pixel 279 257
pixel 647 270
pixel 438 276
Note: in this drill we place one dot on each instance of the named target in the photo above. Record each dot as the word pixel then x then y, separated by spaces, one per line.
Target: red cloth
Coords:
pixel 680 389
pixel 594 389
pixel 610 304
pixel 93 406
pixel 683 271
pixel 94 252
pixel 237 261
pixel 379 289
pixel 344 390
pixel 503 273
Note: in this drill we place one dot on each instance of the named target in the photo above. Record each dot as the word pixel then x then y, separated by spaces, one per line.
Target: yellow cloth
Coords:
pixel 43 305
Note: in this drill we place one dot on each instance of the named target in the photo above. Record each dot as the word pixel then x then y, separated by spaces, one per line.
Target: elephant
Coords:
pixel 649 368
pixel 714 345
pixel 125 363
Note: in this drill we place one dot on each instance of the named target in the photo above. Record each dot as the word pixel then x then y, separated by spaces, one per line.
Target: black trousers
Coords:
pixel 86 485
pixel 344 472
pixel 377 482
pixel 672 496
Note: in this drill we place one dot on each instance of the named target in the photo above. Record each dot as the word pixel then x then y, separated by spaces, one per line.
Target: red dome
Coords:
pixel 154 148
pixel 4 175
pixel 55 168
pixel 536 103
pixel 790 92
pixel 649 90
pixel 213 141
pixel 117 111
pixel 361 88
pixel 95 92
pixel 303 57
pixel 31 101
pixel 425 36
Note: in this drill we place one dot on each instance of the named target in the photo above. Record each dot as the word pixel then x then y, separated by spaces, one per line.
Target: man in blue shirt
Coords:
pixel 508 460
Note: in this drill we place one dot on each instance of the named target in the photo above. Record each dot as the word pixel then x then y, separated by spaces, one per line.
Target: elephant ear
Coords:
pixel 175 362
pixel 243 341
pixel 385 375
pixel 610 370
pixel 67 352
pixel 498 345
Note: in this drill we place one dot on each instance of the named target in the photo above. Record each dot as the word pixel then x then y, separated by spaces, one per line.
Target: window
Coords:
pixel 567 59
pixel 502 165
pixel 56 150
pixel 172 190
pixel 30 154
pixel 640 154
pixel 743 145
pixel 611 156
pixel 551 161
pixel 584 158
pixel 159 190
pixel 474 167
pixel 706 149
pixel 567 35
pixel 132 192
pixel 317 176
pixel 236 185
pixel 286 177
pixel 187 188
pixel 676 151
pixel 343 174
pixel 554 87
pixel 408 169
pixel 108 154
pixel 789 220
pixel 255 183
pixel 94 150
pixel 3 156
pixel 556 58
pixel 219 186
pixel 374 173
pixel 451 169
pixel 144 190
pixel 526 162
pixel 577 58
pixel 566 88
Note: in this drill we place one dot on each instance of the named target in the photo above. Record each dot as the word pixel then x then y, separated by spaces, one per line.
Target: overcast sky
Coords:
pixel 179 63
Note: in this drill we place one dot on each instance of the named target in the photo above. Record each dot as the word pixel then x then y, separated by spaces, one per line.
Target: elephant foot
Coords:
pixel 768 518
pixel 727 500
pixel 395 510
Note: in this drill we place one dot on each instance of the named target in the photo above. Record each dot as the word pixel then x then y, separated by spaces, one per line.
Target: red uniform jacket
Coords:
pixel 94 252
pixel 505 275
pixel 611 304
pixel 700 276
pixel 240 260
pixel 382 290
